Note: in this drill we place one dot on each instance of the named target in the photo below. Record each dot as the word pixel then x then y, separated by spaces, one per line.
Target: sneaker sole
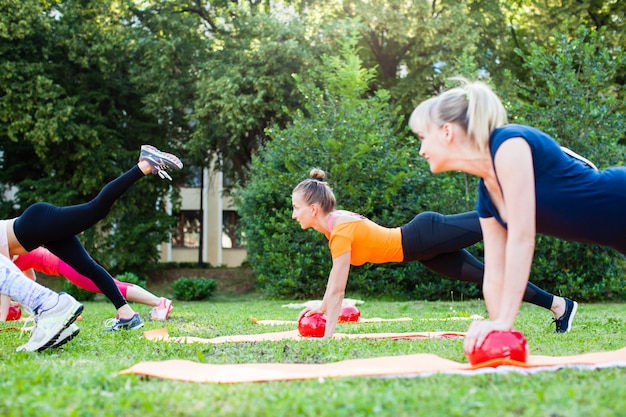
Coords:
pixel 571 316
pixel 67 323
pixel 60 342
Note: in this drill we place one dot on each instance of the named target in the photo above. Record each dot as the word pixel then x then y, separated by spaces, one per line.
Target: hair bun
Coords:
pixel 317 174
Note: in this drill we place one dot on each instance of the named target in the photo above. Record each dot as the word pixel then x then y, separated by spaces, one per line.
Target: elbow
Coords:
pixel 522 242
pixel 338 292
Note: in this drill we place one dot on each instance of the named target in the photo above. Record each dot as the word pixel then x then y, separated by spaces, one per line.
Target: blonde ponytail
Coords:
pixel 473 106
pixel 485 113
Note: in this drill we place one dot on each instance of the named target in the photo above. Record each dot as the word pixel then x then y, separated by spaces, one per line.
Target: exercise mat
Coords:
pixel 423 364
pixel 361 320
pixel 162 334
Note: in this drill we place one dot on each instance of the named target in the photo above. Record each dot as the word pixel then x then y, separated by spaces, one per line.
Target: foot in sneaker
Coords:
pixel 160 161
pixel 564 323
pixel 66 335
pixel 50 323
pixel 116 324
pixel 161 311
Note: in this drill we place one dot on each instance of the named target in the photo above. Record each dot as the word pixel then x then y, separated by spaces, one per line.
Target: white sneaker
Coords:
pixel 50 323
pixel 162 311
pixel 66 335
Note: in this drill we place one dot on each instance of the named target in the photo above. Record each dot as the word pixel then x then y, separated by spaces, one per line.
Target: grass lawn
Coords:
pixel 81 379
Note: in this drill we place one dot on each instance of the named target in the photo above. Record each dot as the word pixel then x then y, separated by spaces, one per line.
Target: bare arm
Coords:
pixel 494 238
pixel 335 291
pixel 514 165
pixel 508 253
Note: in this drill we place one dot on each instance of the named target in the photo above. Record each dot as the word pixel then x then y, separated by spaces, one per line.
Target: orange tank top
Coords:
pixel 365 240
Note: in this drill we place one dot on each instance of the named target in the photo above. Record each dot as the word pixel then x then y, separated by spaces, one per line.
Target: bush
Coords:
pixel 193 288
pixel 570 95
pixel 77 292
pixel 372 164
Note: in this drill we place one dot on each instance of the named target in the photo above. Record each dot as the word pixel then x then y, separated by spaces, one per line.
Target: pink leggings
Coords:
pixel 44 261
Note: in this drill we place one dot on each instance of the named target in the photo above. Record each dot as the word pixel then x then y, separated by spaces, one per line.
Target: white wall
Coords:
pixel 213 204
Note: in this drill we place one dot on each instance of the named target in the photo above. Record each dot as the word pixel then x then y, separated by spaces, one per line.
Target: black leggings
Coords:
pixel 439 242
pixel 44 224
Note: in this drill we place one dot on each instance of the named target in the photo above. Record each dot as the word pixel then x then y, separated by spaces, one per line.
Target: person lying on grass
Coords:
pixel 44 261
pixel 435 240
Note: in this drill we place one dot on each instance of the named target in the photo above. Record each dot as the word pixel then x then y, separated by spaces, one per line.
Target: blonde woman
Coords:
pixel 528 185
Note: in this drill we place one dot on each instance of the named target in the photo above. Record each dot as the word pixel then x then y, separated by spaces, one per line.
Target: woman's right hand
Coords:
pixel 309 311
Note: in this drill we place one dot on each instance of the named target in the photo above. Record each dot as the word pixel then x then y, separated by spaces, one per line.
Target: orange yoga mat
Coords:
pixel 361 320
pixel 162 334
pixel 388 366
pixel 368 320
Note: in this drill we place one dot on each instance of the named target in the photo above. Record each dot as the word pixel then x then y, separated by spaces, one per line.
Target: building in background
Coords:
pixel 206 231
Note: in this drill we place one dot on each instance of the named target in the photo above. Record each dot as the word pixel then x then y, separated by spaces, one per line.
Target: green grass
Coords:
pixel 82 378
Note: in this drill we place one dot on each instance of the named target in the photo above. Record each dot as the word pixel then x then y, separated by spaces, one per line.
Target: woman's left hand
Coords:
pixel 478 331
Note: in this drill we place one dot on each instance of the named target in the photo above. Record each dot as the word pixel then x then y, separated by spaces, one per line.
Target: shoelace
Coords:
pixel 161 166
pixel 26 322
pixel 111 322
pixel 163 174
pixel 160 163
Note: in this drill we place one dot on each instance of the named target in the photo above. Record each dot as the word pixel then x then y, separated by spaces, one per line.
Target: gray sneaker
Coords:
pixel 116 324
pixel 49 324
pixel 160 161
pixel 66 335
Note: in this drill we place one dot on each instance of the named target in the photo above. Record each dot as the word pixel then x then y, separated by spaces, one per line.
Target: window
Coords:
pixel 231 236
pixel 195 179
pixel 186 234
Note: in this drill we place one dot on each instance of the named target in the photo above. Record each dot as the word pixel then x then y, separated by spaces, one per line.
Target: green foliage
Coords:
pixel 570 94
pixel 83 84
pixel 372 166
pixel 77 292
pixel 579 271
pixel 193 288
pixel 245 86
pixel 72 118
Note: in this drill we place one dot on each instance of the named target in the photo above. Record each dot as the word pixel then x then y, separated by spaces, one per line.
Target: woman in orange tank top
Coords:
pixel 437 241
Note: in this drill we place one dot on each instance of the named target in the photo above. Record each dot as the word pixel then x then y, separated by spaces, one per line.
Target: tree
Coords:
pixel 72 120
pixel 246 85
pixel 360 141
pixel 571 94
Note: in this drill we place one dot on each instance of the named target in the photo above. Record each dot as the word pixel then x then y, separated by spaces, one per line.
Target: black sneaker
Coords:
pixel 116 324
pixel 564 323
